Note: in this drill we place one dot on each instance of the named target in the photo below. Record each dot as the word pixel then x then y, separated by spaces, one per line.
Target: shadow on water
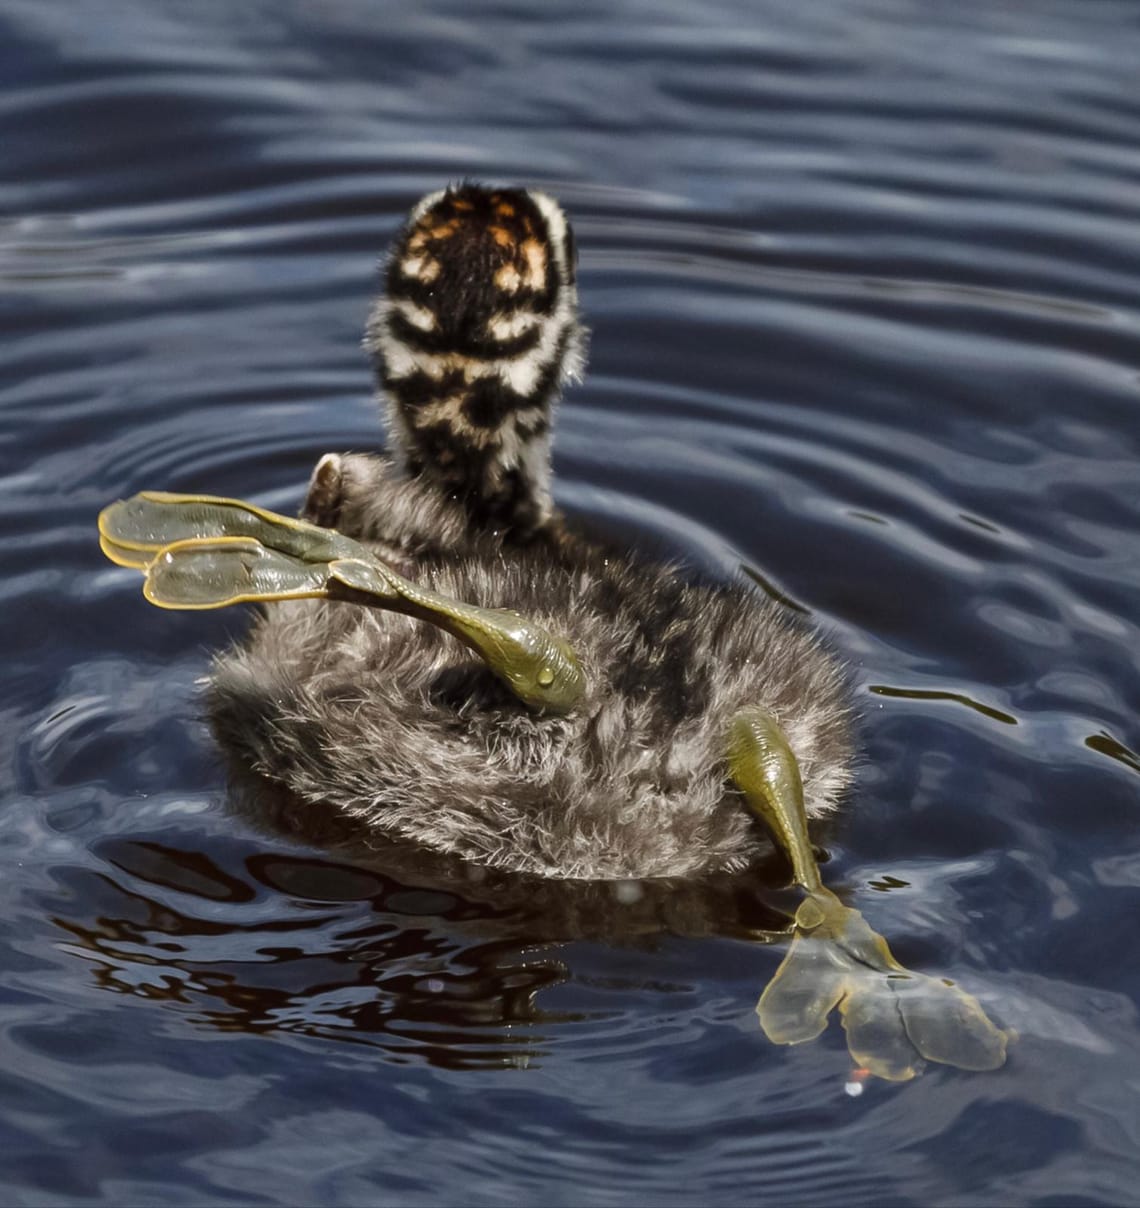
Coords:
pixel 374 941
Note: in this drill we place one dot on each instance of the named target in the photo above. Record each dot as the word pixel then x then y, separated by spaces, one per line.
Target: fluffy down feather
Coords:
pixel 392 722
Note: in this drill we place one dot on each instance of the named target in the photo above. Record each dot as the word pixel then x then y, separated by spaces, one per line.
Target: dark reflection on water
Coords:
pixel 420 955
pixel 863 283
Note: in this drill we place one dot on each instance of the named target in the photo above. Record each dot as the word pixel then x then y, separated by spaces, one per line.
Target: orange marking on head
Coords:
pixel 501 236
pixel 504 209
pixel 461 203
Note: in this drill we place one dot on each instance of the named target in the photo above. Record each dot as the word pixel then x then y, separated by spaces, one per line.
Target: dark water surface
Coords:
pixel 864 278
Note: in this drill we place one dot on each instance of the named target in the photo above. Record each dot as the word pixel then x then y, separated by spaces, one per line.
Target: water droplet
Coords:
pixel 628 892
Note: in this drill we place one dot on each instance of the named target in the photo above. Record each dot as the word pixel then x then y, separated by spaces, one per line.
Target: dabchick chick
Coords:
pixel 391 722
pixel 444 661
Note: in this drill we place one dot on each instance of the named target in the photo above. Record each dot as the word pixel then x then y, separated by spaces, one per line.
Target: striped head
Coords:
pixel 473 340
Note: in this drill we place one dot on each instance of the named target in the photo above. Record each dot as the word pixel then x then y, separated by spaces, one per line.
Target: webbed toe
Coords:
pixel 946 1024
pixel 215 572
pixel 807 987
pixel 150 521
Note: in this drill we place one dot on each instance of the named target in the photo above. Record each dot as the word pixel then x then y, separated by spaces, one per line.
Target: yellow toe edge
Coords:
pixel 133 559
pixel 881 1069
pixel 108 534
pixel 275 519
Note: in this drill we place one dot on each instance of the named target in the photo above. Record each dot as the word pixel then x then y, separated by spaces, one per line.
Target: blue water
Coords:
pixel 864 282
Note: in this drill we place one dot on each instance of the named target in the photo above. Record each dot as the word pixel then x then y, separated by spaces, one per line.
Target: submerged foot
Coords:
pixel 893 1018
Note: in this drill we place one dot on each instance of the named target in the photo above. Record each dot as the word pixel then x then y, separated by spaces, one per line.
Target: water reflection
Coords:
pixel 421 955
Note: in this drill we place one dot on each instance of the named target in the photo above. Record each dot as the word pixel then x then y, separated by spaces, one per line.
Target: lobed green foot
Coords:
pixel 204 551
pixel 893 1018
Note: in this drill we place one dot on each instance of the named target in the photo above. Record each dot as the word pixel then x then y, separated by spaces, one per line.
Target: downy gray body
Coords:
pixel 393 723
